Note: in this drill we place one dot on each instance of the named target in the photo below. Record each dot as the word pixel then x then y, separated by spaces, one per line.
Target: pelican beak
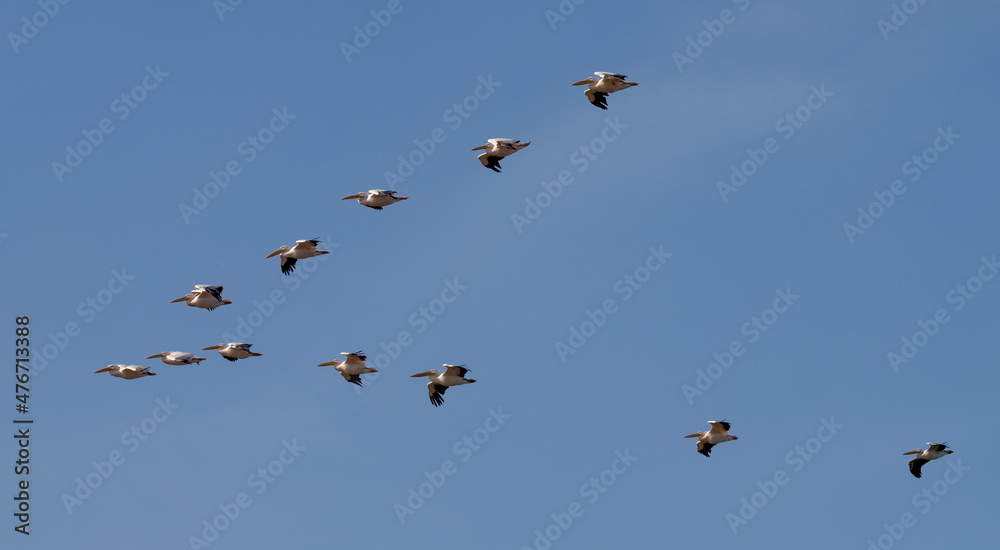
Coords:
pixel 525 144
pixel 372 369
pixel 333 363
pixel 217 346
pixel 425 373
pixel 226 302
pixel 402 198
pixel 918 451
pixel 582 82
pixel 480 148
pixel 105 369
pixel 155 356
pixel 692 435
pixel 355 196
pixel 181 299
pixel 275 253
pixel 734 437
pixel 632 83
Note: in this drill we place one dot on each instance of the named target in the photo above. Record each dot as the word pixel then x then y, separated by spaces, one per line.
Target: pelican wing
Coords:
pixel 937 447
pixel 381 193
pixel 615 76
pixel 287 264
pixel 435 391
pixel 503 142
pixel 352 378
pixel 915 465
pixel 705 448
pixel 214 290
pixel 456 370
pixel 356 358
pixel 721 427
pixel 597 99
pixel 309 244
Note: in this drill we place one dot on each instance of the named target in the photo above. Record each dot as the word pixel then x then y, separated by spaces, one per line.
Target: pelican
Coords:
pixel 301 251
pixel 376 198
pixel 351 368
pixel 128 372
pixel 234 350
pixel 498 148
pixel 204 296
pixel 177 358
pixel 934 452
pixel 454 375
pixel 718 434
pixel 599 88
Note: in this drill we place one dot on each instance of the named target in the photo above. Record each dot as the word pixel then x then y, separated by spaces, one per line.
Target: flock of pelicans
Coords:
pixel 353 366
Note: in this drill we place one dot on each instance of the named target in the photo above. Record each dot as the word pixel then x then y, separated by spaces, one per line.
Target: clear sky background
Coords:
pixel 532 263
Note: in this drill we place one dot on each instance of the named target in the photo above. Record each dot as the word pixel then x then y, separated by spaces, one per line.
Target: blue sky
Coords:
pixel 612 290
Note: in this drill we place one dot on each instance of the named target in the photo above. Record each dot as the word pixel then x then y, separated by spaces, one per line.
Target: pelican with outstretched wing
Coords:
pixel 933 452
pixel 204 296
pixel 352 367
pixel 234 350
pixel 128 372
pixel 376 198
pixel 598 87
pixel 498 148
pixel 177 358
pixel 718 434
pixel 454 375
pixel 302 250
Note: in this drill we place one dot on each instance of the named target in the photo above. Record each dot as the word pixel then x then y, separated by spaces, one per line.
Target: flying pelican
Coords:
pixel 301 251
pixel 204 296
pixel 177 358
pixel 599 88
pixel 351 368
pixel 718 434
pixel 498 148
pixel 376 198
pixel 454 375
pixel 934 452
pixel 234 350
pixel 128 372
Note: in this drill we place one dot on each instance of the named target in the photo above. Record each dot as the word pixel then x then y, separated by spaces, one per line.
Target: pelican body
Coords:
pixel 177 358
pixel 301 250
pixel 598 87
pixel 376 198
pixel 454 375
pixel 128 372
pixel 498 148
pixel 352 367
pixel 234 350
pixel 204 296
pixel 718 434
pixel 933 452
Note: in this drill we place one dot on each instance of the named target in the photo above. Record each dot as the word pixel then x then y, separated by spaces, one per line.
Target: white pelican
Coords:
pixel 718 434
pixel 204 296
pixel 128 372
pixel 934 452
pixel 376 198
pixel 301 251
pixel 177 358
pixel 454 375
pixel 351 368
pixel 599 88
pixel 498 148
pixel 234 350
